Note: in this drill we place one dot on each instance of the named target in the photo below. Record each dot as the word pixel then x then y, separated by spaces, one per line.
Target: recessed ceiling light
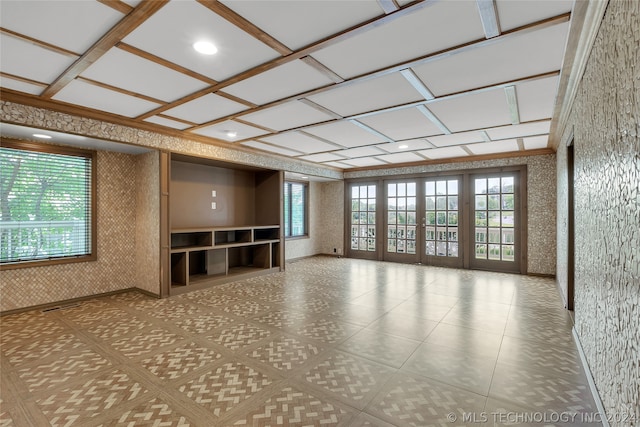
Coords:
pixel 403 146
pixel 41 135
pixel 231 133
pixel 204 47
pixel 304 177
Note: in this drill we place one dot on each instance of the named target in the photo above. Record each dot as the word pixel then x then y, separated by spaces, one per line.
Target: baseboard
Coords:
pixel 71 301
pixel 592 384
pixel 313 256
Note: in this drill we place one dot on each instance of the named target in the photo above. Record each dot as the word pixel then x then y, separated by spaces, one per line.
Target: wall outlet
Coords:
pixel 339 251
pixel 335 250
pixel 213 205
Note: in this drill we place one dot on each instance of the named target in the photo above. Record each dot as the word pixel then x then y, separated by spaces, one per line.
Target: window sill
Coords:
pixel 306 236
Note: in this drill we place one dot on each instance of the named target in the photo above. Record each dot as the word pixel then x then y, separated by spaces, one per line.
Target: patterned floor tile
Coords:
pixel 93 312
pixel 422 402
pixel 282 318
pixel 237 336
pixel 313 305
pixel 294 408
pixel 414 328
pixel 174 363
pixel 174 311
pixel 285 353
pixel 224 387
pixel 145 342
pixel 6 420
pixel 204 323
pixel 152 413
pixel 349 377
pixel 28 328
pixel 75 405
pixel 118 328
pixel 62 369
pixel 35 350
pixel 328 330
pixel 502 413
pixel 540 390
pixel 245 308
pixel 366 420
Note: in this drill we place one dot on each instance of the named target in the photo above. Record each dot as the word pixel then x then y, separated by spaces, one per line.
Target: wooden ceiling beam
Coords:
pixel 326 71
pixel 245 25
pixel 39 43
pixel 118 5
pixel 512 103
pixel 160 61
pixel 417 84
pixel 23 79
pixel 389 6
pixel 434 119
pixel 120 90
pixel 126 25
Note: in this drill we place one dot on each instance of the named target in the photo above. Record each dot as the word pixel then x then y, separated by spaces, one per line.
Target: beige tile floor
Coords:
pixel 328 342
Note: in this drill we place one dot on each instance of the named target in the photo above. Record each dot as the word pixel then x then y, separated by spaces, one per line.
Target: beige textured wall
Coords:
pixel 331 218
pixel 541 199
pixel 147 268
pixel 115 267
pixel 605 123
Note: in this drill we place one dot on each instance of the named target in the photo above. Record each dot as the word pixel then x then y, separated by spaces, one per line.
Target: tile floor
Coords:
pixel 328 342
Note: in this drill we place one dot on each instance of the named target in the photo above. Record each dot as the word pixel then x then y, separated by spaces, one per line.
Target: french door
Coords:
pixel 469 219
pixel 496 222
pixel 423 221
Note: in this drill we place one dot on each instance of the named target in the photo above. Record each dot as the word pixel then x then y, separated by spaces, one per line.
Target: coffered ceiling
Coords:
pixel 346 84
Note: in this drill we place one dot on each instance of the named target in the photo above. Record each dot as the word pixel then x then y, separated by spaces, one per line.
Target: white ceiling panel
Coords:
pixel 132 3
pixel 72 25
pixel 287 116
pixel 401 157
pixel 322 157
pixel 280 82
pixel 301 23
pixel 516 13
pixel 536 99
pixel 456 139
pixel 220 131
pixel 536 142
pixel 338 165
pixel 272 148
pixel 515 131
pixel 27 60
pixel 475 111
pixel 167 122
pixel 171 32
pixel 370 95
pixel 133 73
pixel 299 142
pixel 20 86
pixel 345 133
pixel 436 26
pixel 363 162
pixel 91 96
pixel 515 57
pixel 361 151
pixel 492 147
pixel 444 152
pixel 407 123
pixel 205 108
pixel 408 145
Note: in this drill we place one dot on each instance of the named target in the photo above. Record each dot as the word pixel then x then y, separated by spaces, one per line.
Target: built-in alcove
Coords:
pixel 225 222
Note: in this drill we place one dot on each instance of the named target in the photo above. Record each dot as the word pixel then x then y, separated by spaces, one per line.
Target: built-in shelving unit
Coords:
pixel 207 255
pixel 225 223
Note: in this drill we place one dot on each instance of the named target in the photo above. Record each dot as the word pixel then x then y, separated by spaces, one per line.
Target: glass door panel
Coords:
pixel 440 221
pixel 401 242
pixel 363 220
pixel 495 221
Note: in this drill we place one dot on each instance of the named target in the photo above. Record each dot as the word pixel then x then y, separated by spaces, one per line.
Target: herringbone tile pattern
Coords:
pixel 329 342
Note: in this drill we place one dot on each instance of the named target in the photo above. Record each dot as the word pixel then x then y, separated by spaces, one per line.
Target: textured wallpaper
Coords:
pixel 541 198
pixel 115 267
pixel 331 218
pixel 148 222
pixel 605 122
pixel 307 246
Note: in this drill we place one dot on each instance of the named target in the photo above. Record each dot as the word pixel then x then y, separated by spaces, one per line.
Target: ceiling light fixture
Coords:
pixel 304 177
pixel 231 133
pixel 204 47
pixel 403 146
pixel 41 136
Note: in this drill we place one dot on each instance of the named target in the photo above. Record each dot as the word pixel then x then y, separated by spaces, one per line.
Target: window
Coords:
pixel 295 209
pixel 46 204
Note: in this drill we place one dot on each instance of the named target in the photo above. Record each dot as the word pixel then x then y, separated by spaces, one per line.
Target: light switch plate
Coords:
pixel 213 205
pixel 213 193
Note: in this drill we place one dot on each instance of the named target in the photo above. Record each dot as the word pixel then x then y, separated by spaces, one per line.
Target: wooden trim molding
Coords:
pixel 39 43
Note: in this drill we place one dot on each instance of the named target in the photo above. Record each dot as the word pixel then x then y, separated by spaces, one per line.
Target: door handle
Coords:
pixel 424 222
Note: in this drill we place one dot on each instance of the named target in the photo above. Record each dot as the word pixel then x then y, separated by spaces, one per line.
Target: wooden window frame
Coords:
pixel 69 151
pixel 305 235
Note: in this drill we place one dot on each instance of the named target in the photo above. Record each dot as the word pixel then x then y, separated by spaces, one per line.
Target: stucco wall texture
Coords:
pixel 604 124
